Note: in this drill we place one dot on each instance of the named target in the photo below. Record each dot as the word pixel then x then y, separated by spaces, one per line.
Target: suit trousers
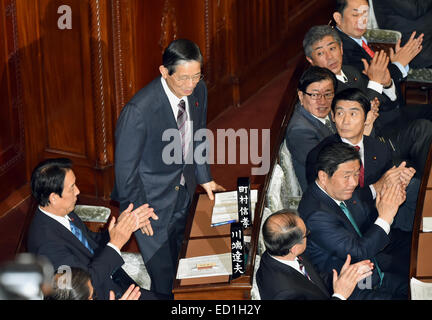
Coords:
pixel 162 267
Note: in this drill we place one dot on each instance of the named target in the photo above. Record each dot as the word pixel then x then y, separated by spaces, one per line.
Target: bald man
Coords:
pixel 285 274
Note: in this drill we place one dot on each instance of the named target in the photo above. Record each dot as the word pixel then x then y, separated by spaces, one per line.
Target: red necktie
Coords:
pixel 361 177
pixel 367 49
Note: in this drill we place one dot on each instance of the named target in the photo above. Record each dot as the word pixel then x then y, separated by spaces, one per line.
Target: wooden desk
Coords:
pixel 206 240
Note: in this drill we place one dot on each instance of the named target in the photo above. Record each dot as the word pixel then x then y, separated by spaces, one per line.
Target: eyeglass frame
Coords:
pixel 320 95
pixel 307 233
pixel 187 78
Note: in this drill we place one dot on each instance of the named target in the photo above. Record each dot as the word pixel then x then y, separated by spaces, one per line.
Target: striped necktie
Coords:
pixel 181 125
pixel 354 224
pixel 78 233
pixel 367 49
pixel 328 125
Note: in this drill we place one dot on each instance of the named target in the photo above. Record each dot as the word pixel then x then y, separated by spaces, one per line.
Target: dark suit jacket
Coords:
pixel 377 158
pixel 332 235
pixel 303 133
pixel 141 174
pixel 277 281
pixel 353 53
pixel 49 238
pixel 406 17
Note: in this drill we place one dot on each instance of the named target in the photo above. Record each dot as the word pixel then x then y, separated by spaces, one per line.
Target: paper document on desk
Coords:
pixel 427 224
pixel 420 290
pixel 205 266
pixel 225 209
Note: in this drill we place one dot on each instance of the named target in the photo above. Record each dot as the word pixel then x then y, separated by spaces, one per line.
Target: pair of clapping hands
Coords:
pixel 391 190
pixel 350 274
pixel 377 69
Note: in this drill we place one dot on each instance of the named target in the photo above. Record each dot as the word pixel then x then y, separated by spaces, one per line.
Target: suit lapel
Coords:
pixel 67 235
pixel 316 279
pixel 321 128
pixel 330 203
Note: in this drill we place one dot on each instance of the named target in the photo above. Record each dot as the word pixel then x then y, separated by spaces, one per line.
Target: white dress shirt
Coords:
pixel 379 222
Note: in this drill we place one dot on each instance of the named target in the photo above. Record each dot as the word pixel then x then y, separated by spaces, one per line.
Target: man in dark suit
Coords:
pixel 349 109
pixel 351 20
pixel 406 17
pixel 341 222
pixel 285 274
pixel 408 139
pixel 310 122
pixel 57 233
pixel 155 162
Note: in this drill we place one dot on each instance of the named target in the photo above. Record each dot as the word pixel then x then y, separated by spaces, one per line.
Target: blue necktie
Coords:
pixel 354 224
pixel 78 233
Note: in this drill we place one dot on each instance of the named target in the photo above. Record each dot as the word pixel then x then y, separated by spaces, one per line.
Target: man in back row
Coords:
pixel 351 18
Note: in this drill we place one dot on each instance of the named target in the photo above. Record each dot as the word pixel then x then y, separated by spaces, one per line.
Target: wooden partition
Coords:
pixel 421 247
pixel 202 239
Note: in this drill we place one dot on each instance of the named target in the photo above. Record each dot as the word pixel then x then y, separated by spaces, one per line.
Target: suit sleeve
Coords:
pixel 130 138
pixel 333 236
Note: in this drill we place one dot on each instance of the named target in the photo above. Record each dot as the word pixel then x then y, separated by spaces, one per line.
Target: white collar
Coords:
pixel 65 221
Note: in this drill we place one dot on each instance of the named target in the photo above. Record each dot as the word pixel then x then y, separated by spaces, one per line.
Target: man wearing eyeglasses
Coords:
pixel 154 157
pixel 310 122
pixel 285 273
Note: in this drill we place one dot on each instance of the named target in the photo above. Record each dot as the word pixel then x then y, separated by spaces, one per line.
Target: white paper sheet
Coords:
pixel 420 290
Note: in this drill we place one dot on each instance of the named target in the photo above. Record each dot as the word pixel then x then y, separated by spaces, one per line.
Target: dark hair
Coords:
pixel 316 74
pixel 78 289
pixel 48 177
pixel 340 6
pixel 281 235
pixel 317 33
pixel 178 51
pixel 334 154
pixel 352 94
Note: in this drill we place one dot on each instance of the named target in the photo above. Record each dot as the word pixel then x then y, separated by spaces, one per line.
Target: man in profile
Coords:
pixel 285 274
pixel 57 233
